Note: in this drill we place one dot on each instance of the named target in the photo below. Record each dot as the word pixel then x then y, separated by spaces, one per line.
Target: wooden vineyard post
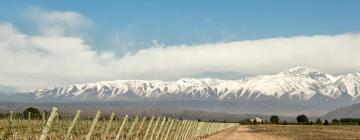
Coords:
pixel 43 118
pixel 69 132
pixel 194 132
pixel 213 125
pixel 199 128
pixel 29 121
pixel 217 126
pixel 88 136
pixel 166 126
pixel 148 128
pixel 57 118
pixel 191 130
pixel 209 129
pixel 121 127
pixel 181 130
pixel 169 129
pixel 160 129
pixel 187 129
pixel 137 135
pixel 48 124
pixel 176 129
pixel 129 135
pixel 198 133
pixel 154 129
pixel 10 121
pixel 184 132
pixel 11 116
pixel 29 116
pixel 102 123
pixel 204 133
pixel 108 126
pixel 177 134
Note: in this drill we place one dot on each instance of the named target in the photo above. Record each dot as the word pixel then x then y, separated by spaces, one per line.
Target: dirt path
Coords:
pixel 242 133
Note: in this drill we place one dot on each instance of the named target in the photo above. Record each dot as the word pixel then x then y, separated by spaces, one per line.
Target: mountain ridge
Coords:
pixel 300 83
pixel 299 89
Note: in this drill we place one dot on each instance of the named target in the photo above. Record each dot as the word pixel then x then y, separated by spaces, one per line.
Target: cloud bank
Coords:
pixel 58 55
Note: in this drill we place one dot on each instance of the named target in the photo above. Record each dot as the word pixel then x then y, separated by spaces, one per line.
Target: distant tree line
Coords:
pixel 304 120
pixel 31 112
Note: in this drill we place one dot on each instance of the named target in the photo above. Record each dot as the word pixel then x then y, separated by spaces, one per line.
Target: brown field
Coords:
pixel 289 132
pixel 161 128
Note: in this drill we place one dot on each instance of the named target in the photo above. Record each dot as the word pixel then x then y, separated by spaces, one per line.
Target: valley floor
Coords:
pixel 288 132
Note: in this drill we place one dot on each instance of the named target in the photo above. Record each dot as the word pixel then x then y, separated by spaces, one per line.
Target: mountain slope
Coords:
pixel 299 83
pixel 298 89
pixel 352 111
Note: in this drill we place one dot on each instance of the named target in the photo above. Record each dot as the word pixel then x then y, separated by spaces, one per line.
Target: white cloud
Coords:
pixel 39 61
pixel 59 23
pixel 334 54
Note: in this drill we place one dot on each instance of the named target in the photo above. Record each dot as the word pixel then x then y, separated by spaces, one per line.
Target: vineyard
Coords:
pixel 117 128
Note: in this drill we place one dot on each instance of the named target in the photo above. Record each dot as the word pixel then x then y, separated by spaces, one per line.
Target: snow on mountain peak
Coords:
pixel 200 81
pixel 300 83
pixel 309 72
pixel 301 70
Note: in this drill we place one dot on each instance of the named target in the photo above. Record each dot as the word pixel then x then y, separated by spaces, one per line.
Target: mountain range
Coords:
pixel 352 111
pixel 289 92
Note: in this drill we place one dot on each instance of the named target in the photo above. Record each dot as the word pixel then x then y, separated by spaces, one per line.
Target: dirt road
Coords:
pixel 242 133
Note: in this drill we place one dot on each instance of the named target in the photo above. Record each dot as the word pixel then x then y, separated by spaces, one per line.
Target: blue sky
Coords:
pixel 46 43
pixel 138 23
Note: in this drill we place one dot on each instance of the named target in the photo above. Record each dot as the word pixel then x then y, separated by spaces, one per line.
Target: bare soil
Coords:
pixel 242 133
pixel 289 132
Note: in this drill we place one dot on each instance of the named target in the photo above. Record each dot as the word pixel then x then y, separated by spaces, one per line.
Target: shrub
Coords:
pixel 349 121
pixel 274 119
pixel 35 113
pixel 318 121
pixel 326 122
pixel 335 121
pixel 302 119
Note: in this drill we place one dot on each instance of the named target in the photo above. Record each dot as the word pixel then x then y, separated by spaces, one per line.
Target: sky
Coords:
pixel 45 44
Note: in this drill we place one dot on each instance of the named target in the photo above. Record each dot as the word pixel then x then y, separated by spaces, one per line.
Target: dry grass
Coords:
pixel 20 129
pixel 310 132
pixel 23 129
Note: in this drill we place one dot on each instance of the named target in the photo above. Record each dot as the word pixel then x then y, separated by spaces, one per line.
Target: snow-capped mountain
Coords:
pixel 299 83
pixel 287 89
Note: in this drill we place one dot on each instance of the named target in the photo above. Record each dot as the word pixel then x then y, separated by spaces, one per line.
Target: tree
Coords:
pixel 18 115
pixel 35 113
pixel 318 121
pixel 254 122
pixel 285 123
pixel 302 119
pixel 335 121
pixel 274 119
pixel 326 122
